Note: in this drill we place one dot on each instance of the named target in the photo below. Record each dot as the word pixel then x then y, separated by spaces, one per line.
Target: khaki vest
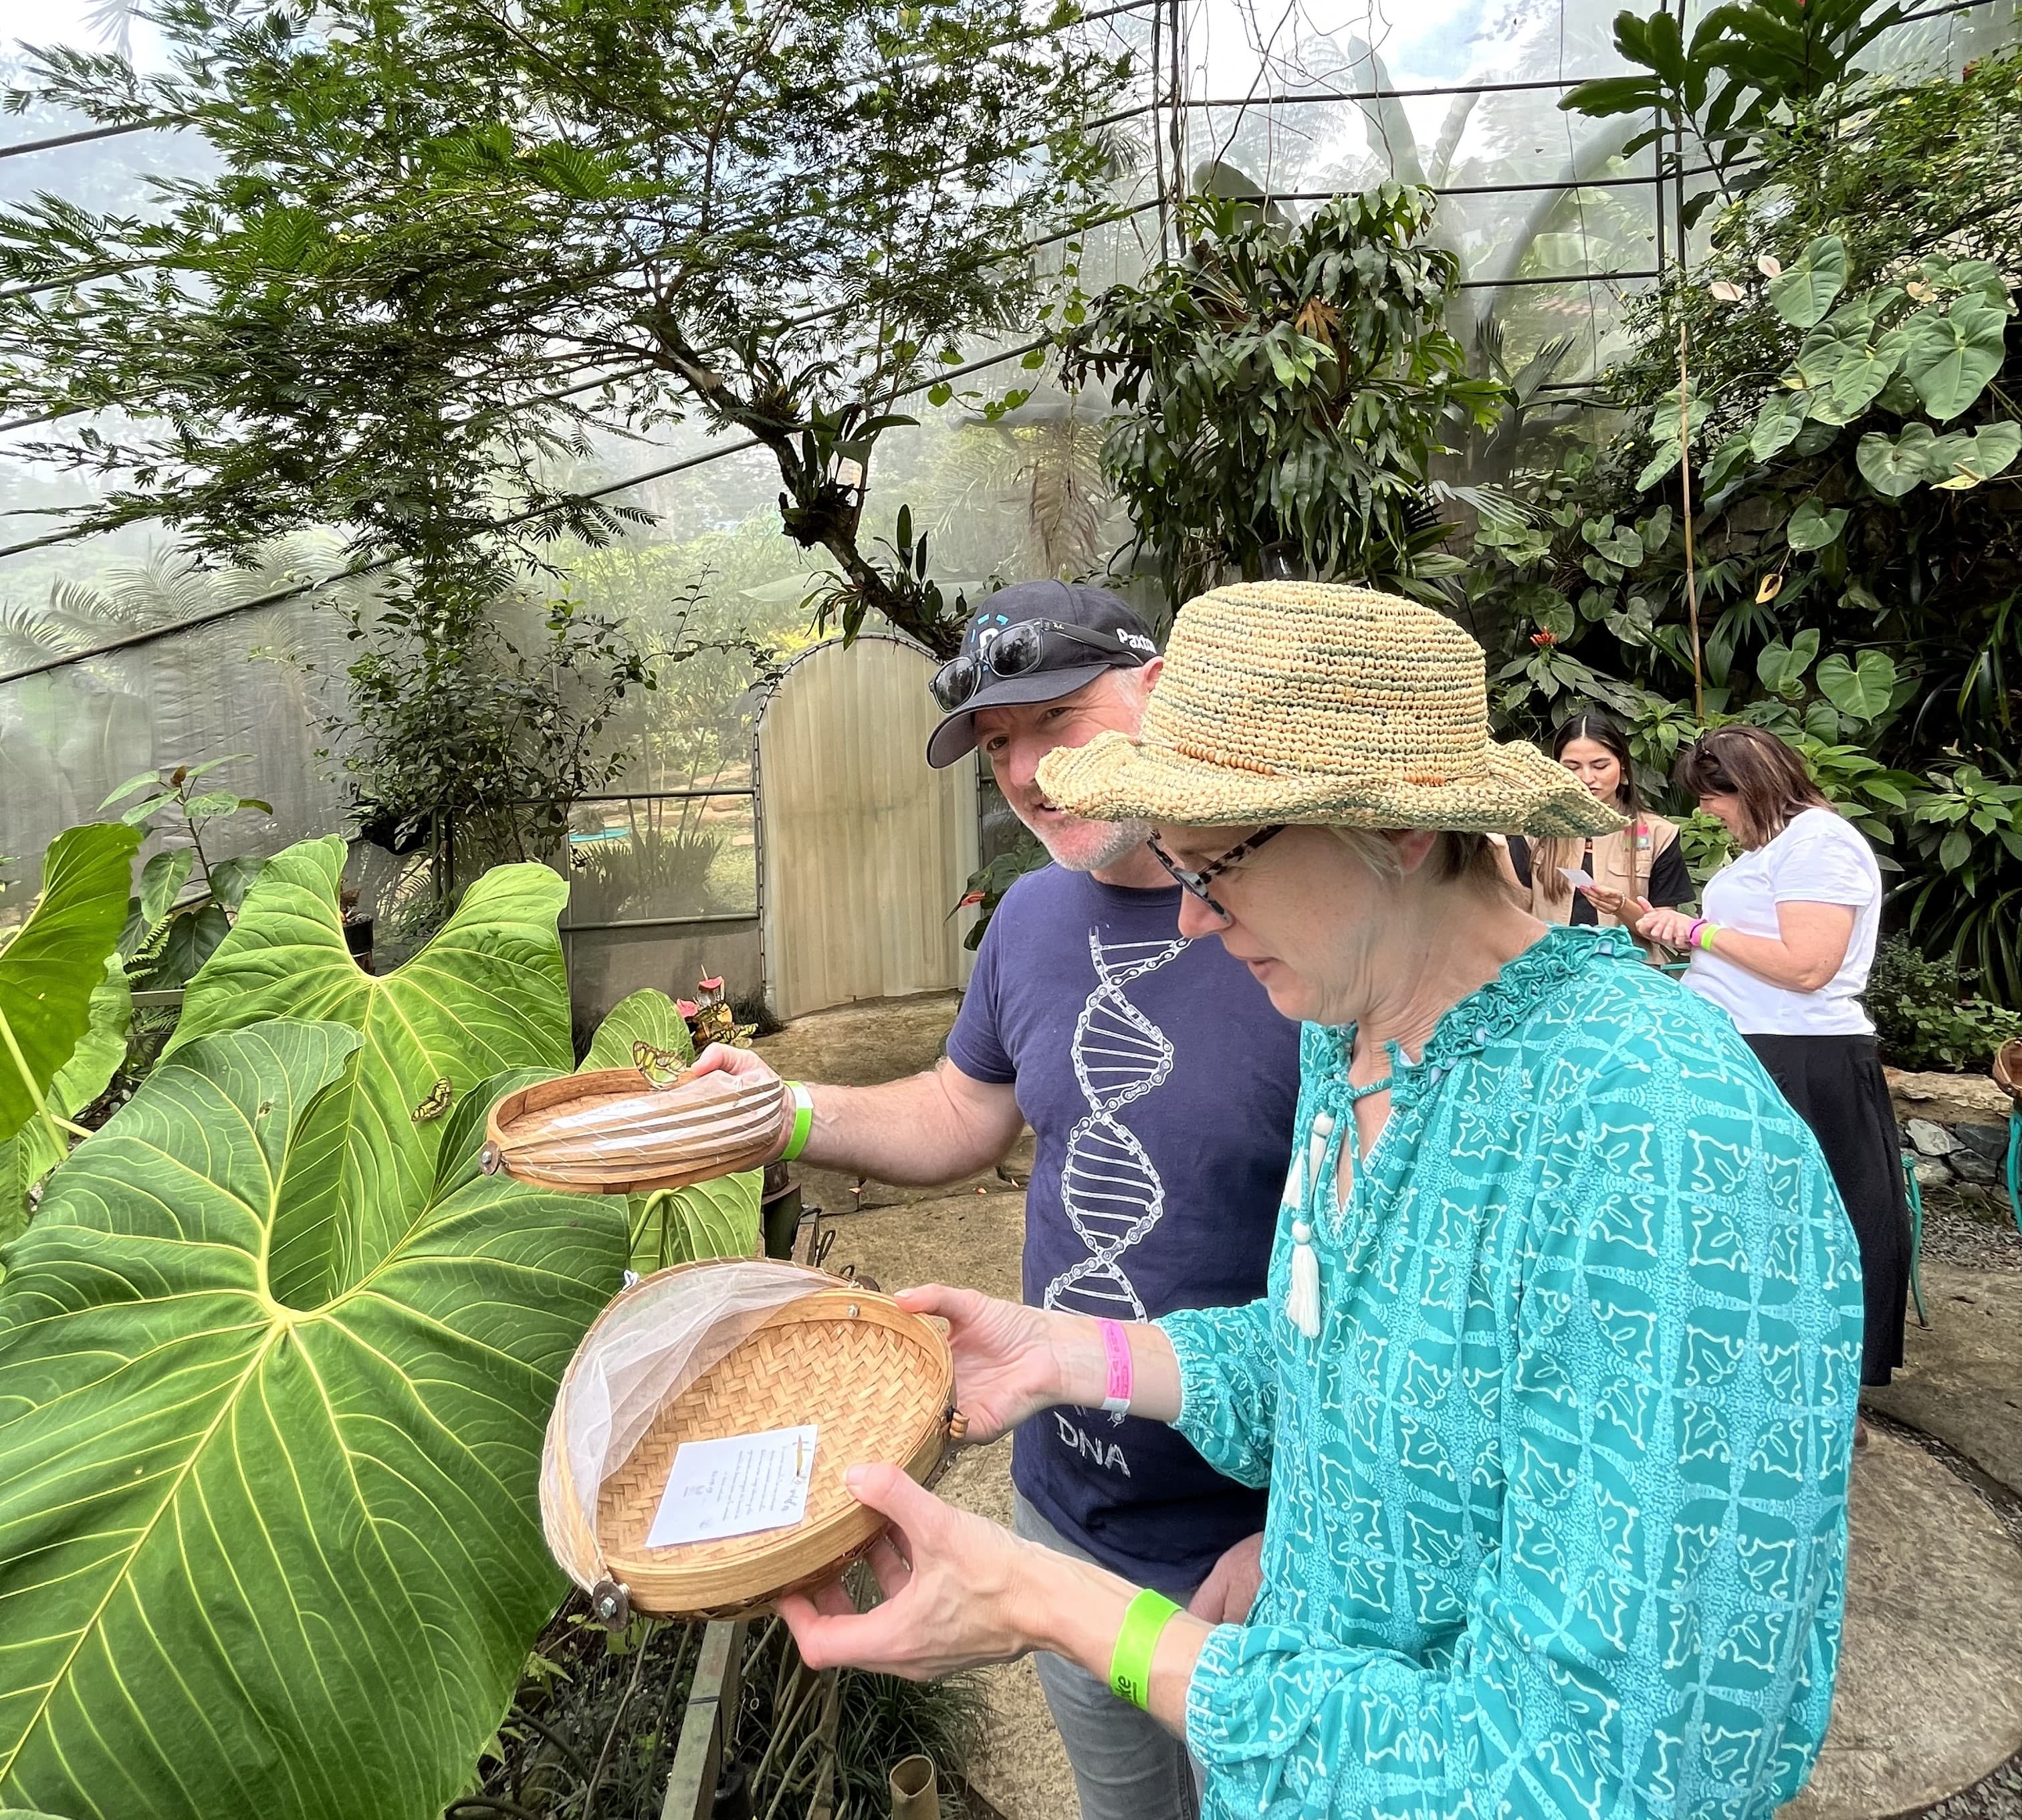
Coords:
pixel 1622 861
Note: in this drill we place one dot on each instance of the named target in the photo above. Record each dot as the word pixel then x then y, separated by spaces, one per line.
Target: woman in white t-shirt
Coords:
pixel 1784 945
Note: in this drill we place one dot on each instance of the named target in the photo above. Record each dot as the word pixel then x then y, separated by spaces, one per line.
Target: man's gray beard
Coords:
pixel 1126 838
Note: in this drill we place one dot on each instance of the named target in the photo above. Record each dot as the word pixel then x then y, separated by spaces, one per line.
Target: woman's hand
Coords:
pixel 1672 928
pixel 1007 1357
pixel 1618 904
pixel 955 1590
pixel 959 1591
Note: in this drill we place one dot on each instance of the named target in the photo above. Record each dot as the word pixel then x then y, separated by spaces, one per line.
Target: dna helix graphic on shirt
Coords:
pixel 1112 1193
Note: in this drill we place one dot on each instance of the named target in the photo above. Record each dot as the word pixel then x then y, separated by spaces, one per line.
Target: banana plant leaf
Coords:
pixel 260 1556
pixel 488 994
pixel 50 970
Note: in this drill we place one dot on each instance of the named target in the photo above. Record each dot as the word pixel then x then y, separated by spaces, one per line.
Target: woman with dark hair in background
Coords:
pixel 1639 867
pixel 1784 946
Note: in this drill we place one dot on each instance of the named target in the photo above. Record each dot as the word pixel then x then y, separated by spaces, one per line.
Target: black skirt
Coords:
pixel 1835 1085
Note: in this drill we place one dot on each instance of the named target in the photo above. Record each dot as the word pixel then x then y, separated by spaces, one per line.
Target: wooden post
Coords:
pixel 709 1722
pixel 822 1807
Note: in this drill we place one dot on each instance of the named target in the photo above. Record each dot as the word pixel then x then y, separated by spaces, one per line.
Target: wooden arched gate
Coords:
pixel 864 849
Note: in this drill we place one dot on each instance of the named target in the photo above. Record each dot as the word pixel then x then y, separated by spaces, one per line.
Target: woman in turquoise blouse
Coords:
pixel 1555 1384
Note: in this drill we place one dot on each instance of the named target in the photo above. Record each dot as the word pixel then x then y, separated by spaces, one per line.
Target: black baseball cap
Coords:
pixel 1058 674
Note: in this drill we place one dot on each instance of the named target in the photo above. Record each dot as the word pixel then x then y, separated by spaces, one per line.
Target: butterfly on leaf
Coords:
pixel 654 1063
pixel 437 1103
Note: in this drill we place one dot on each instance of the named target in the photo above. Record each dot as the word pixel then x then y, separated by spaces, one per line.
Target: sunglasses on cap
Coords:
pixel 1023 648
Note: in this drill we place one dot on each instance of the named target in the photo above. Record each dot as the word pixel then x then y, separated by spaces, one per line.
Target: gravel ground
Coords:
pixel 1999 1797
pixel 1970 1229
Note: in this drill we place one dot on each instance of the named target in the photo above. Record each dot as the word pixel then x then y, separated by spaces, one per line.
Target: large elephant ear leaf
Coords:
pixel 717 1218
pixel 647 1016
pixel 35 1149
pixel 259 1557
pixel 490 993
pixel 56 960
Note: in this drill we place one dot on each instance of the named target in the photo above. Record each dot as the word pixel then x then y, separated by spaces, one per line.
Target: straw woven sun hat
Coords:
pixel 1312 702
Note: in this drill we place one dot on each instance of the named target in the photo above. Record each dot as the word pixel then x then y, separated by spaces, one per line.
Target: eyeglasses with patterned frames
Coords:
pixel 1196 883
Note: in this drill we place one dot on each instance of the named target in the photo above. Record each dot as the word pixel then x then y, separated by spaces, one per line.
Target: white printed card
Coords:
pixel 736 1485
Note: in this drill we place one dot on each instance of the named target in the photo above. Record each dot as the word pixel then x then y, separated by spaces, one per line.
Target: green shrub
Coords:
pixel 1924 1016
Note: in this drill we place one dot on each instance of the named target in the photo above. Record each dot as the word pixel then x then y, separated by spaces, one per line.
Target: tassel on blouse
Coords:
pixel 1302 1299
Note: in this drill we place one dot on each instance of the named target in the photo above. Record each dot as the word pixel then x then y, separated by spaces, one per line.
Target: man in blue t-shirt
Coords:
pixel 1160 1086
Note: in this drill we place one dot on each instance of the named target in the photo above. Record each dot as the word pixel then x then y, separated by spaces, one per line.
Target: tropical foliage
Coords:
pixel 1724 97
pixel 1850 406
pixel 1927 1016
pixel 1284 390
pixel 444 245
pixel 276 1355
pixel 56 961
pixel 63 1006
pixel 268 1551
pixel 170 932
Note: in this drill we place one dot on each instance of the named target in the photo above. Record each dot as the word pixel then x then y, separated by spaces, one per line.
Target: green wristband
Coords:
pixel 1130 1662
pixel 804 1120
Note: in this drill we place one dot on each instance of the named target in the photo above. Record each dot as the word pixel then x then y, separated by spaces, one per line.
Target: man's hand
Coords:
pixel 1227 1594
pixel 937 1126
pixel 744 1066
pixel 722 1059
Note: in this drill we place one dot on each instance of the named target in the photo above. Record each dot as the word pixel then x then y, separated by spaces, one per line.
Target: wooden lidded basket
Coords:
pixel 615 1131
pixel 802 1346
pixel 2008 1071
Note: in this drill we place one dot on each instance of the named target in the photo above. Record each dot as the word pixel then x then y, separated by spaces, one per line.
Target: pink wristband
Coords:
pixel 1116 1344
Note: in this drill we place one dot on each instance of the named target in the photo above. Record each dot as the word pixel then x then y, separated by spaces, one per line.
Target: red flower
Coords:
pixel 1546 637
pixel 710 985
pixel 687 1007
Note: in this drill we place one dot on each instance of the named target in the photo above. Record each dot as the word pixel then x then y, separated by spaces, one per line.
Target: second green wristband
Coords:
pixel 804 1120
pixel 1130 1662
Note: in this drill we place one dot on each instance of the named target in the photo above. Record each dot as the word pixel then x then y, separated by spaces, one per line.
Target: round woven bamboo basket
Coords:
pixel 877 1381
pixel 614 1131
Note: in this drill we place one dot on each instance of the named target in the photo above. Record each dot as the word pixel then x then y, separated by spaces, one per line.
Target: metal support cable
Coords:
pixel 1592 183
pixel 1558 278
pixel 149 635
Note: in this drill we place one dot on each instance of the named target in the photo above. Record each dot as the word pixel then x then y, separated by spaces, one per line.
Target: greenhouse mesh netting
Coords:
pixel 119 653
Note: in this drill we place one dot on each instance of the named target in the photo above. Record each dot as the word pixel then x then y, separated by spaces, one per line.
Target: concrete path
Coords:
pixel 1961 1379
pixel 1929 1697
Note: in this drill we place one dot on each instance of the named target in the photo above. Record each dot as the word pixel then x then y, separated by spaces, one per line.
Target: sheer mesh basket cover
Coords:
pixel 613 1131
pixel 708 1350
